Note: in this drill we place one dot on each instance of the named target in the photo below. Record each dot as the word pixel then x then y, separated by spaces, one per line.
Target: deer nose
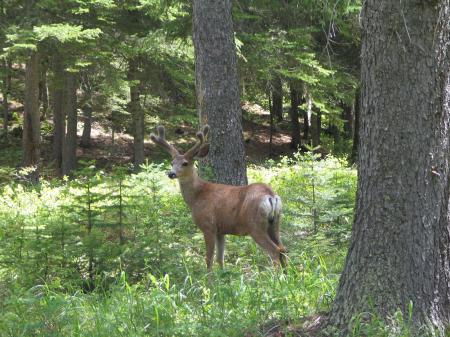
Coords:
pixel 172 175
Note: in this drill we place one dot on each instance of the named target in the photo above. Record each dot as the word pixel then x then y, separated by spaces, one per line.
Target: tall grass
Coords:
pixel 139 269
pixel 232 304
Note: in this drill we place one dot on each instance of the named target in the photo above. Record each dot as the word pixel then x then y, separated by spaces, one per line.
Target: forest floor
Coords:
pixel 108 149
pixel 309 327
pixel 108 152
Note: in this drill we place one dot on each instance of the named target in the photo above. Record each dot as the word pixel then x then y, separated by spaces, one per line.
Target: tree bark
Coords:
pixel 277 97
pixel 217 89
pixel 59 117
pixel 399 249
pixel 69 154
pixel 43 90
pixel 295 124
pixel 31 141
pixel 136 112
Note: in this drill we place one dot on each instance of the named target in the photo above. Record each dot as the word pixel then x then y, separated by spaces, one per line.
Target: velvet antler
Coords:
pixel 201 135
pixel 161 141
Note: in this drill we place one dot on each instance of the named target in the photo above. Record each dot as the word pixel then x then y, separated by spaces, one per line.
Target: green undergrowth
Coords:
pixel 118 255
pixel 231 303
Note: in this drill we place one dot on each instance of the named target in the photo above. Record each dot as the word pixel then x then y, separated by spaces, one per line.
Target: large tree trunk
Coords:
pixel 59 117
pixel 295 124
pixel 399 250
pixel 69 154
pixel 31 141
pixel 136 111
pixel 277 98
pixel 217 89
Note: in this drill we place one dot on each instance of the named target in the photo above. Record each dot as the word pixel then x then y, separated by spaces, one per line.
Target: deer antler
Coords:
pixel 161 140
pixel 201 135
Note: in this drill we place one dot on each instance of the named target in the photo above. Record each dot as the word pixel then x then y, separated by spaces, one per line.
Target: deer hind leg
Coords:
pixel 274 233
pixel 269 219
pixel 210 242
pixel 220 240
pixel 265 242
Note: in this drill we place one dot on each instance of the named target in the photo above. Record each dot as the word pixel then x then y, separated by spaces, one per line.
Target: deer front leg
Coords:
pixel 220 238
pixel 210 241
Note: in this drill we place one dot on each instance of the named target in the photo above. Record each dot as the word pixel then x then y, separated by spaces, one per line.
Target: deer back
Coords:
pixel 229 209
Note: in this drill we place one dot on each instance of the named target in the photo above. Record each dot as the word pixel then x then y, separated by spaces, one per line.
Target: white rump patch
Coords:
pixel 271 206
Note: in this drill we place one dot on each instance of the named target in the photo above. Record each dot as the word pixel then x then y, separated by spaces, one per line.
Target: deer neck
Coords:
pixel 190 186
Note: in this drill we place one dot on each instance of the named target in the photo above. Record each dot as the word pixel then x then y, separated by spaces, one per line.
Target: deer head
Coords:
pixel 182 164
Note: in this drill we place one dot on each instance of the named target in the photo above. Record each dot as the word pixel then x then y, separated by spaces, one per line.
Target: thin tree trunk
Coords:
pixel 113 137
pixel 295 124
pixel 43 90
pixel 319 127
pixel 59 117
pixel 348 113
pixel 87 126
pixel 333 130
pixel 5 93
pixel 316 127
pixel 69 159
pixel 31 142
pixel 357 109
pixel 306 121
pixel 136 112
pixel 270 126
pixel 217 89
pixel 87 113
pixel 277 98
pixel 399 250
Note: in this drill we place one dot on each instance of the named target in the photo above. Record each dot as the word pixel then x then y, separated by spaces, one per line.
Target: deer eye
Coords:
pixel 185 163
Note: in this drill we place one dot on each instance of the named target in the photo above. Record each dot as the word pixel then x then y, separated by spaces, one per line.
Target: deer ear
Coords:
pixel 202 151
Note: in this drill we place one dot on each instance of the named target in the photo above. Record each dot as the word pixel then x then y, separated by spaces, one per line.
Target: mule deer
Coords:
pixel 224 209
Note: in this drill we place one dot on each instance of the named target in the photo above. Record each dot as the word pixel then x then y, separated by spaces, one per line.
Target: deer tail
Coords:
pixel 275 209
pixel 274 225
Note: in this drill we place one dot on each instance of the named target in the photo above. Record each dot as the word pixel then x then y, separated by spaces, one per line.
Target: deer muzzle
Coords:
pixel 172 175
